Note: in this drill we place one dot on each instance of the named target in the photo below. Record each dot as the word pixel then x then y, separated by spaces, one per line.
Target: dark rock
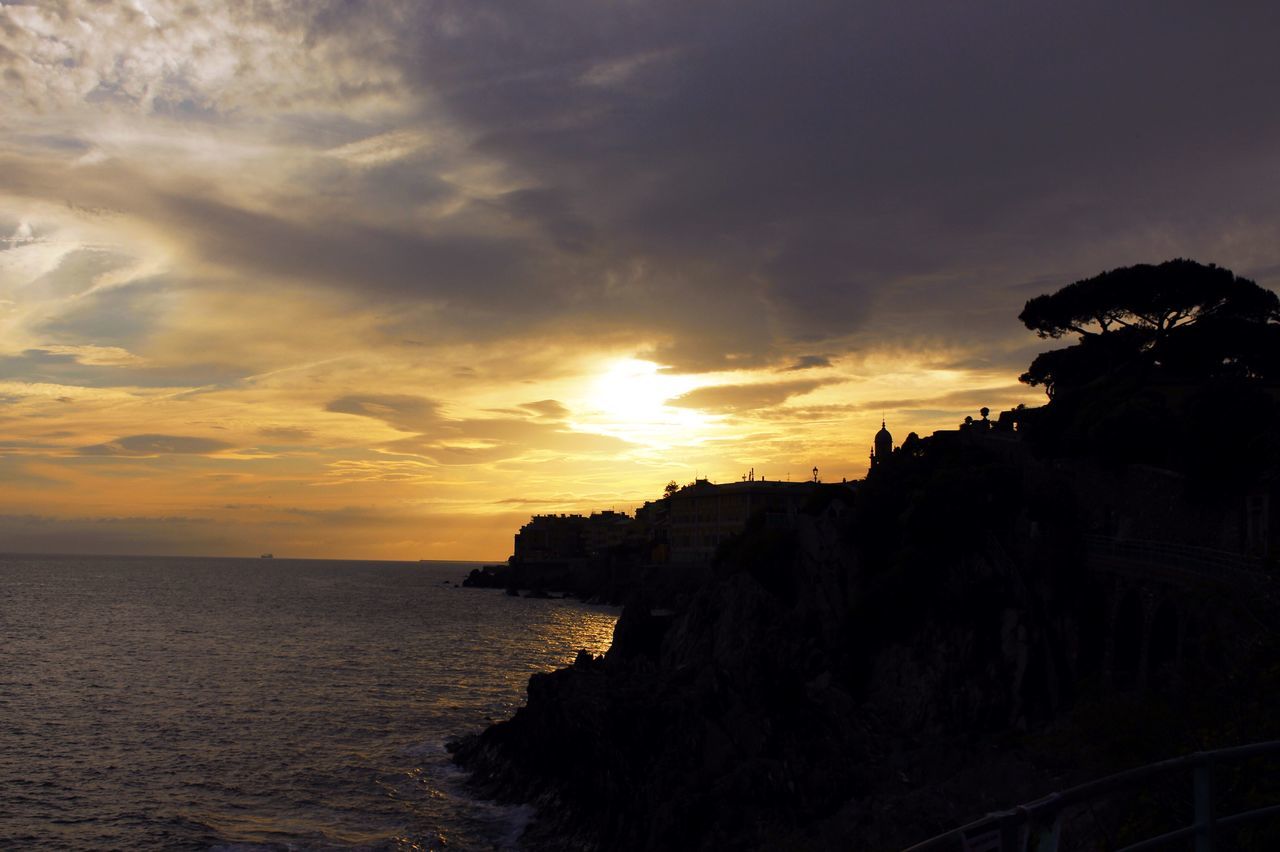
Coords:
pixel 861 683
pixel 488 577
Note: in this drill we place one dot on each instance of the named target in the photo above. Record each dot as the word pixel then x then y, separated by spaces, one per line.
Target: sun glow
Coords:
pixel 628 399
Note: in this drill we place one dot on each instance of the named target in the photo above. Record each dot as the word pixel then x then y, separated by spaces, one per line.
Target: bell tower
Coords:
pixel 882 449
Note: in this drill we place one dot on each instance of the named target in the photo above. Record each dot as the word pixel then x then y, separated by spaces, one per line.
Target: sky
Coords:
pixel 382 279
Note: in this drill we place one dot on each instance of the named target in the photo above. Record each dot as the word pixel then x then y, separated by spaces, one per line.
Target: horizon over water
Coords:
pixel 152 702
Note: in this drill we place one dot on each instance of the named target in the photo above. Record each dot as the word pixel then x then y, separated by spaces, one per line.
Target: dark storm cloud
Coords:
pixel 463 268
pixel 550 210
pixel 741 183
pixel 773 170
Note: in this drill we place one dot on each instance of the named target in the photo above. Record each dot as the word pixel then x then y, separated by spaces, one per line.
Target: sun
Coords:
pixel 628 399
pixel 632 391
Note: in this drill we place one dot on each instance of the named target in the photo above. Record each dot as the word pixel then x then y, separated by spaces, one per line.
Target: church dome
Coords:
pixel 883 442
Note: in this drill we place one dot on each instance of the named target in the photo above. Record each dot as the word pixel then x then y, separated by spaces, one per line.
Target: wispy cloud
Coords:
pixel 156 445
pixel 747 397
pixel 808 362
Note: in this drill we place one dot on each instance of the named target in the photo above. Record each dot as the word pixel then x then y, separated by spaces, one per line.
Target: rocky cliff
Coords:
pixel 897 664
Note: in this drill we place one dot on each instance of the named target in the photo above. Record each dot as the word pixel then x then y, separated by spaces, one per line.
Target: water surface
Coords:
pixel 162 703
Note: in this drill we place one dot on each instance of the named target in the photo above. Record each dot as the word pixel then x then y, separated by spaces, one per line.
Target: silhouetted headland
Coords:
pixel 661 554
pixel 996 612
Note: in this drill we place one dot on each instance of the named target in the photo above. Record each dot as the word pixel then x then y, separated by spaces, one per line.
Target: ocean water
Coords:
pixel 251 704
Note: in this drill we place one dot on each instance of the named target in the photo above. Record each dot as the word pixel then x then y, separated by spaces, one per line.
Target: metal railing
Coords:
pixel 1038 825
pixel 1221 564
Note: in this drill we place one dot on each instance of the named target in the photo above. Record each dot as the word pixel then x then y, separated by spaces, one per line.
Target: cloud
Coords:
pixel 402 412
pixel 808 362
pixel 288 434
pixel 156 445
pixel 108 367
pixel 166 61
pixel 475 440
pixel 489 440
pixel 528 501
pixel 382 470
pixel 548 408
pixel 119 316
pixel 95 356
pixel 794 193
pixel 420 215
pixel 645 175
pixel 76 272
pixel 992 397
pixel 751 397
pixel 551 211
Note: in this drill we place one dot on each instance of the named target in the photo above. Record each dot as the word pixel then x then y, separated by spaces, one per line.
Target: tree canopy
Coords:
pixel 1180 317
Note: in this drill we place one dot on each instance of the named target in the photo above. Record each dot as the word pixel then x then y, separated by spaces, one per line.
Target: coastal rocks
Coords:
pixel 488 577
pixel 599 580
pixel 705 729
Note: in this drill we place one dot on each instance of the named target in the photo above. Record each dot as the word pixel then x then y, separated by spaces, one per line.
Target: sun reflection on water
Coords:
pixel 591 630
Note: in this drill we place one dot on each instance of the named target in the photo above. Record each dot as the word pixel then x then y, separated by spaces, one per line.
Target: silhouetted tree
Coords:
pixel 911 447
pixel 1180 316
pixel 1225 347
pixel 1094 356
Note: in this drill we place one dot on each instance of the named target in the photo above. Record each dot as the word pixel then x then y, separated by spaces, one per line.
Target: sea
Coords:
pixel 260 704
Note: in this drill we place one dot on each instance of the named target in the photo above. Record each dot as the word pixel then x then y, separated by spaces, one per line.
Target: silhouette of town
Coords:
pixel 1198 354
pixel 1035 591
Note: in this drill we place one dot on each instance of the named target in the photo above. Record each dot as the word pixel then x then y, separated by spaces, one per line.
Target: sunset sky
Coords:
pixel 382 279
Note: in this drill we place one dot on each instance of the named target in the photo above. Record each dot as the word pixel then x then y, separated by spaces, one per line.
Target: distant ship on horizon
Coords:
pixel 267 556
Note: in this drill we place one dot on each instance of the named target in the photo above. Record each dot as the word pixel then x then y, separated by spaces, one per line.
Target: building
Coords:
pixel 605 531
pixel 882 447
pixel 550 538
pixel 561 538
pixel 703 515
